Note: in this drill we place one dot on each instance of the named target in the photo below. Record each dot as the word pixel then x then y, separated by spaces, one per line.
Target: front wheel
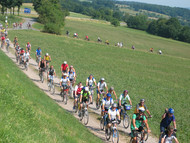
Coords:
pixel 115 136
pixel 102 123
pixel 98 104
pixel 126 121
pixel 146 134
pixel 86 117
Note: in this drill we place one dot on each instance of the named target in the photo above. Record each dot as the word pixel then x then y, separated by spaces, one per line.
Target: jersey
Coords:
pixel 64 81
pixel 102 85
pixel 71 76
pixel 168 139
pixel 7 41
pixel 38 52
pixel 51 71
pixel 64 67
pixel 3 38
pixel 138 121
pixel 78 90
pixel 26 55
pixel 139 106
pixel 85 95
pixel 47 58
pixel 113 114
pixel 107 103
pixel 124 99
pixel 90 81
pixel 167 120
pixel 22 52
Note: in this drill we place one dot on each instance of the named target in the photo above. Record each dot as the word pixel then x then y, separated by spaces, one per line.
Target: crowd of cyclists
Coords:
pixel 110 108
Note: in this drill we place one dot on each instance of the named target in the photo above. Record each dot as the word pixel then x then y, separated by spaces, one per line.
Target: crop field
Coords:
pixel 163 80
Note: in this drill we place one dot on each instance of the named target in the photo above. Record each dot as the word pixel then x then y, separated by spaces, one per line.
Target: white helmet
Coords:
pixel 47 54
pixel 86 89
pixel 102 79
pixel 65 62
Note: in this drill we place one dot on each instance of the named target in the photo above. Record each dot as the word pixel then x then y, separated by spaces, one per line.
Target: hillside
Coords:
pixel 161 80
pixel 28 115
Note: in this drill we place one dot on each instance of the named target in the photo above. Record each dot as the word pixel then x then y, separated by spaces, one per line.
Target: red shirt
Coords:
pixel 22 52
pixel 64 67
pixel 79 90
pixel 3 38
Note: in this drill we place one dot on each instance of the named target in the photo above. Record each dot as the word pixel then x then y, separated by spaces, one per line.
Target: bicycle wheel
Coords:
pixel 102 123
pixel 76 107
pixel 115 136
pixel 86 117
pixel 53 89
pixel 126 121
pixel 146 134
pixel 65 97
pixel 108 134
pixel 98 104
pixel 49 86
pixel 81 115
pixel 26 66
pixel 42 77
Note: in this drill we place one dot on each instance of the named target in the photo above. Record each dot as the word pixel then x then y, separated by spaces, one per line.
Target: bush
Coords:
pixel 52 28
pixel 115 22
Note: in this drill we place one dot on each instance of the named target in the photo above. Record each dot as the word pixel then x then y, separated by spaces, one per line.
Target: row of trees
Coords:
pixel 10 4
pixel 169 28
pixel 50 14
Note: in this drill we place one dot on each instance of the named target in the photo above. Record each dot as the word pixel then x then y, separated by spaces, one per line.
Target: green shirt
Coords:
pixel 85 94
pixel 137 122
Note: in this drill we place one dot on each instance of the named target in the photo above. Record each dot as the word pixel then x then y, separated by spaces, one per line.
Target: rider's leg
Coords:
pixel 134 139
pixel 98 97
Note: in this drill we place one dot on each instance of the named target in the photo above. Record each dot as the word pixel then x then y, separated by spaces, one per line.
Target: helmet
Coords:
pixel 171 110
pixel 126 91
pixel 112 88
pixel 142 100
pixel 65 62
pixel 86 89
pixel 102 79
pixel 28 43
pixel 108 95
pixel 47 54
pixel 114 105
pixel 141 109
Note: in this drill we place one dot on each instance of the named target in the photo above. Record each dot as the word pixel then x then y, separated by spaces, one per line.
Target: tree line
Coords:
pixel 10 4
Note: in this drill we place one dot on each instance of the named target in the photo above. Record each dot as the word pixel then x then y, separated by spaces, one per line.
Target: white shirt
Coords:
pixel 169 139
pixel 124 99
pixel 7 41
pixel 71 76
pixel 102 85
pixel 76 87
pixel 26 55
pixel 90 81
pixel 113 114
pixel 64 81
pixel 107 103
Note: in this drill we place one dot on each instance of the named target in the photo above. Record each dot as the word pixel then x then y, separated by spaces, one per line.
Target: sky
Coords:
pixel 172 3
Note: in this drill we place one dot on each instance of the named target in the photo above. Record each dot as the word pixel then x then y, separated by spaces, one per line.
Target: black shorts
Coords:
pixel 85 100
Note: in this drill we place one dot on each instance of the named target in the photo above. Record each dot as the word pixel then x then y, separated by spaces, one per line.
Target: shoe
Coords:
pixel 79 114
pixel 73 107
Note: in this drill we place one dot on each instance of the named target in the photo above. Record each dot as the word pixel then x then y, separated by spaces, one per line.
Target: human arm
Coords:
pixel 148 113
pixel 134 125
pixel 162 140
pixel 87 82
pixel 115 94
pixel 174 122
pixel 50 58
pixel 176 140
pixel 130 102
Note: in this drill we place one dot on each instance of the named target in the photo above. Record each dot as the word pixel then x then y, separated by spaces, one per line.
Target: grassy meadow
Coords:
pixel 28 115
pixel 163 80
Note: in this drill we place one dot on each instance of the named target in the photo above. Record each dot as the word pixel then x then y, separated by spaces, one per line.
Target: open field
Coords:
pixel 28 115
pixel 161 79
pixel 78 15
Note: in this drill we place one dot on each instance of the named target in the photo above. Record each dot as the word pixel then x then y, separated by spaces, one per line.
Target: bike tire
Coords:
pixel 98 105
pixel 126 121
pixel 65 98
pixel 76 107
pixel 102 123
pixel 86 117
pixel 115 136
pixel 53 89
pixel 108 134
pixel 146 134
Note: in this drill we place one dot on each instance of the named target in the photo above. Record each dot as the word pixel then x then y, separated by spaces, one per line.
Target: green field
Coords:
pixel 161 79
pixel 28 115
pixel 78 15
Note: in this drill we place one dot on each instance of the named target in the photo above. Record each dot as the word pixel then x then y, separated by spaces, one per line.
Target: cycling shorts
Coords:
pixel 98 91
pixel 50 77
pixel 85 100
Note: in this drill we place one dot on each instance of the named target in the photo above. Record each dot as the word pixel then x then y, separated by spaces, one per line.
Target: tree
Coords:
pixel 185 34
pixel 115 22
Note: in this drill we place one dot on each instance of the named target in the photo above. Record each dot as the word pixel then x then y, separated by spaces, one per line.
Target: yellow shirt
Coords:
pixel 47 58
pixel 139 106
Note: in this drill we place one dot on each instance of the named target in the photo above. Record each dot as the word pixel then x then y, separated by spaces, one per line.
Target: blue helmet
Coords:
pixel 171 110
pixel 108 95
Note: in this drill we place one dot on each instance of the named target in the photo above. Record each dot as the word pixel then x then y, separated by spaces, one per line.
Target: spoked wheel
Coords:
pixel 7 48
pixel 115 136
pixel 146 134
pixel 102 123
pixel 108 134
pixel 98 105
pixel 42 78
pixel 81 115
pixel 126 121
pixel 86 117
pixel 65 98
pixel 49 86
pixel 53 89
pixel 76 107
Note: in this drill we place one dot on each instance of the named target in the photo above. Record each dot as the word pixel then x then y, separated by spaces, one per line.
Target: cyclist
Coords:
pixel 86 38
pixel 17 50
pixel 151 50
pixel 167 118
pixel 42 66
pixel 64 83
pixel 111 90
pixel 65 67
pixel 28 47
pixel 15 41
pixel 26 57
pixel 100 88
pixel 47 57
pixel 77 92
pixel 2 41
pixel 72 68
pixel 8 42
pixel 99 40
pixel 113 114
pixel 133 47
pixel 38 53
pixel 106 103
pixel 84 97
pixel 107 42
pixel 142 105
pixel 22 55
pixel 51 73
pixel 6 33
pixel 169 136
pixel 160 52
pixel 90 81
pixel 123 99
pixel 72 77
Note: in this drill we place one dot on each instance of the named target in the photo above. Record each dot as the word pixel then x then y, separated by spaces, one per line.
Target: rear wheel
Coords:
pixel 102 123
pixel 108 134
pixel 146 134
pixel 53 89
pixel 126 121
pixel 86 117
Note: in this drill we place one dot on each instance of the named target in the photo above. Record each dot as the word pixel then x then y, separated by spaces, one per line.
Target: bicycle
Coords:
pixel 41 75
pixel 126 118
pixel 84 113
pixel 100 100
pixel 7 47
pixel 77 104
pixel 71 89
pixel 38 58
pixel 91 89
pixel 113 132
pixel 51 86
pixel 26 64
pixel 103 121
pixel 64 94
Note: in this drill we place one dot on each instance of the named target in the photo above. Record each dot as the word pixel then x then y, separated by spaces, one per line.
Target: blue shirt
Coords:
pixel 167 120
pixel 38 52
